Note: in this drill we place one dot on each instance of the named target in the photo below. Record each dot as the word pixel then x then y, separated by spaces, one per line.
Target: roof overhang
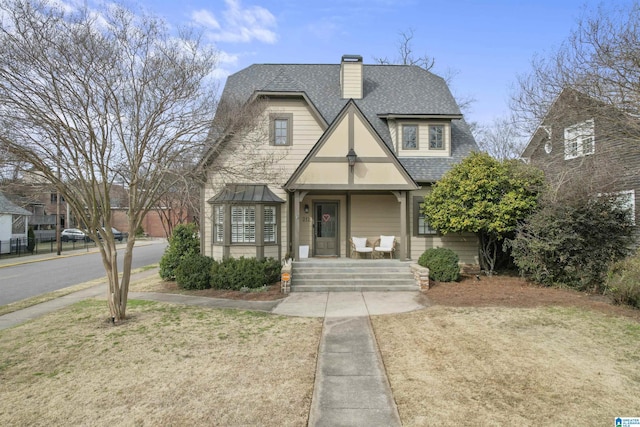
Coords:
pixel 245 193
pixel 395 116
pixel 294 95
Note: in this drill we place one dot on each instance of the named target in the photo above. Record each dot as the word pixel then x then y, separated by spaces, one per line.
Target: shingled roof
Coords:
pixel 387 90
pixel 6 207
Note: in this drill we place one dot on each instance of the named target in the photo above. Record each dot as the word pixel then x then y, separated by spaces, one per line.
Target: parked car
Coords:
pixel 118 235
pixel 73 234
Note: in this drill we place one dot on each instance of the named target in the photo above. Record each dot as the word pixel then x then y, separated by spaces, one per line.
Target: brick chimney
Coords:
pixel 351 76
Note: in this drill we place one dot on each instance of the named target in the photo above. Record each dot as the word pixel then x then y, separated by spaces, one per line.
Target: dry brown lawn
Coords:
pixel 166 365
pixel 517 359
pixel 495 352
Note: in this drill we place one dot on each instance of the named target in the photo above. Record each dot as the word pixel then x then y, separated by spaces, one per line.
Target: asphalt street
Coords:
pixel 27 280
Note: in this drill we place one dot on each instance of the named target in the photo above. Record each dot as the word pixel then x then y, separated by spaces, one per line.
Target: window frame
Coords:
pixel 274 232
pixel 252 227
pixel 417 135
pixel 577 137
pixel 417 217
pixel 273 118
pixel 442 137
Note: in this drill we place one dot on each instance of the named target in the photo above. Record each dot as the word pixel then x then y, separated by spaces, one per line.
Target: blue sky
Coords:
pixel 487 43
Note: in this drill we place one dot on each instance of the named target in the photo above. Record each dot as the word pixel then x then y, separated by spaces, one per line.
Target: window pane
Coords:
pixel 270 228
pixel 409 136
pixel 280 131
pixel 243 224
pixel 218 224
pixel 436 137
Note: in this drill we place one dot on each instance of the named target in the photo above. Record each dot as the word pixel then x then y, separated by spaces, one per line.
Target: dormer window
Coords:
pixel 410 137
pixel 579 140
pixel 436 137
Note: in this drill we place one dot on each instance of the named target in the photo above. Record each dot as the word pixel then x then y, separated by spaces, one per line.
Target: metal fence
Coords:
pixel 41 245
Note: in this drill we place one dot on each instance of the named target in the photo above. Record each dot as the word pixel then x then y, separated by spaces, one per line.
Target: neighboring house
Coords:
pixel 14 223
pixel 348 150
pixel 584 144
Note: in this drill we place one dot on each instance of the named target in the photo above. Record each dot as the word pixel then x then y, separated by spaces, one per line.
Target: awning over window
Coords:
pixel 245 193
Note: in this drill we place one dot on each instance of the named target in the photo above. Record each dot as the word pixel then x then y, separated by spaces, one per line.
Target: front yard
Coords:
pixel 485 353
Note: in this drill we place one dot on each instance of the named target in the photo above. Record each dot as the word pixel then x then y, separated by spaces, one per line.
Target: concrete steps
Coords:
pixel 339 274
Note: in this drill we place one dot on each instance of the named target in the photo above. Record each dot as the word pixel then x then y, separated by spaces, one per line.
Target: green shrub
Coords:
pixel 183 242
pixel 573 242
pixel 623 282
pixel 194 272
pixel 238 273
pixel 442 264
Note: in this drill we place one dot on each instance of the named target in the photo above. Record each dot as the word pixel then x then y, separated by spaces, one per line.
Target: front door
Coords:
pixel 325 228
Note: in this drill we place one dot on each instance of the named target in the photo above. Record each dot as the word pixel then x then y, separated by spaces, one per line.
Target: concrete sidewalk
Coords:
pixel 351 387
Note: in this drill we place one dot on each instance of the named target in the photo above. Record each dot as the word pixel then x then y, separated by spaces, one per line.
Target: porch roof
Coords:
pixel 245 193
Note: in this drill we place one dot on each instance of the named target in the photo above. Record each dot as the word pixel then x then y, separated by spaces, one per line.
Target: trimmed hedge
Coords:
pixel 238 273
pixel 194 272
pixel 442 264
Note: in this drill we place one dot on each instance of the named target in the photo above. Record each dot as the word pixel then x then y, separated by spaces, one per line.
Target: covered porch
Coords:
pixel 323 222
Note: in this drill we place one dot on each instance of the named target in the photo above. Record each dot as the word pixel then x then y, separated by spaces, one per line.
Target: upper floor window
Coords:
pixel 579 140
pixel 436 137
pixel 280 129
pixel 409 137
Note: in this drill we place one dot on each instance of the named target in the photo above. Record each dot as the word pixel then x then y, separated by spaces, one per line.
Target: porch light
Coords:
pixel 306 209
pixel 351 157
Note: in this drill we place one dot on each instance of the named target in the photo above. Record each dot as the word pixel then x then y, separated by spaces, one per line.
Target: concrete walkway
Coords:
pixel 351 387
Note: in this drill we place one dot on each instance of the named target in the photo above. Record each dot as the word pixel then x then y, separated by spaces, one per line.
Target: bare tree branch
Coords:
pixel 91 98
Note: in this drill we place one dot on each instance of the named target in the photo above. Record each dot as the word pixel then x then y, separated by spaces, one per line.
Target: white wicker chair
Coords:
pixel 360 245
pixel 385 245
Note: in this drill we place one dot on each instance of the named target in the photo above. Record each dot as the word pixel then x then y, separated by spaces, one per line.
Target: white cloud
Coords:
pixel 227 58
pixel 205 19
pixel 239 25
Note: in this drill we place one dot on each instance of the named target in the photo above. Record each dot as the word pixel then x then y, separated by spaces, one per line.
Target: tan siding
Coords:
pixel 325 173
pixel 271 252
pixel 280 163
pixel 365 144
pixel 217 253
pixel 352 80
pixel 378 173
pixel 373 215
pixel 336 143
pixel 245 251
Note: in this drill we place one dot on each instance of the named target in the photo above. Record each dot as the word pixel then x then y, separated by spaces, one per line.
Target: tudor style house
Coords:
pixel 336 151
pixel 584 144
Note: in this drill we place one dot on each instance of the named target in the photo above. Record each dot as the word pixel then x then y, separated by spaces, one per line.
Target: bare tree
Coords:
pixel 501 139
pixel 91 98
pixel 599 59
pixel 406 55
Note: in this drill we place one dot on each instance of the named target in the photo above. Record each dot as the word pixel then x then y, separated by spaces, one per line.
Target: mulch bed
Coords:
pixel 514 291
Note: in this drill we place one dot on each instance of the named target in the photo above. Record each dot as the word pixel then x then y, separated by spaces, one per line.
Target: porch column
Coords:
pixel 296 225
pixel 404 236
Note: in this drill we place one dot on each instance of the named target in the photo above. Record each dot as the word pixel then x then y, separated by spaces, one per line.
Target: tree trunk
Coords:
pixel 488 251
